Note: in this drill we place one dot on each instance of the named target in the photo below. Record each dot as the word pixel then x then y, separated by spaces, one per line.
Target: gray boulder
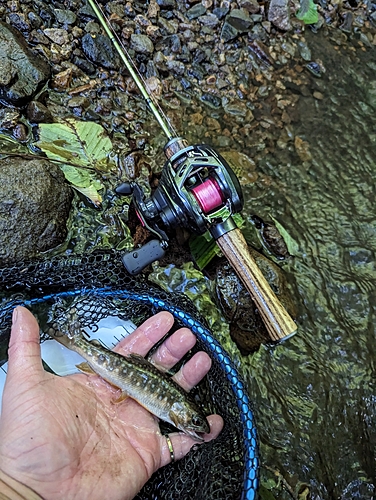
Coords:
pixel 34 206
pixel 22 73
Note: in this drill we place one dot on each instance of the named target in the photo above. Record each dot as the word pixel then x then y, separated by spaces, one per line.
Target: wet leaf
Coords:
pixel 292 245
pixel 77 176
pixel 204 248
pixel 91 193
pixel 308 12
pixel 82 143
pixel 10 145
pixel 265 494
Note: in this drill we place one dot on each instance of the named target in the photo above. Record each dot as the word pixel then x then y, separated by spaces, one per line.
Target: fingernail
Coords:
pixel 14 316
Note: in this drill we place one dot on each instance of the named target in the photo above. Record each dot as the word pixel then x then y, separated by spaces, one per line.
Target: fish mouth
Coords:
pixel 193 434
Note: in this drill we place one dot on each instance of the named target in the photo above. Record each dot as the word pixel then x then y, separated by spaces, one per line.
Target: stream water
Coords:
pixel 314 396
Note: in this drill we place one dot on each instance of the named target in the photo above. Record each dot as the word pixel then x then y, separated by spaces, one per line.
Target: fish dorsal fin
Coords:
pixel 96 343
pixel 137 358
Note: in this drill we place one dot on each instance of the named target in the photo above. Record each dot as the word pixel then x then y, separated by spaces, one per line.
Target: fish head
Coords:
pixel 189 419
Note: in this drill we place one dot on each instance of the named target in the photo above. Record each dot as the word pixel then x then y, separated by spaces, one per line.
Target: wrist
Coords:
pixel 11 489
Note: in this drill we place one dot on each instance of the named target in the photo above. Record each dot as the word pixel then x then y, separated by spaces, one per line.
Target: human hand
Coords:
pixel 65 438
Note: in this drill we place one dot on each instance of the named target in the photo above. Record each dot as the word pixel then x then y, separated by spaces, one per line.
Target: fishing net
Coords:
pixel 98 286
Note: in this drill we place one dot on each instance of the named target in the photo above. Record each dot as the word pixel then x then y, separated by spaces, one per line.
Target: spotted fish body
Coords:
pixel 143 382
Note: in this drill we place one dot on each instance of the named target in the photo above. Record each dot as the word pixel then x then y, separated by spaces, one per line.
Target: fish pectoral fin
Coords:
pixel 123 396
pixel 86 368
pixel 174 418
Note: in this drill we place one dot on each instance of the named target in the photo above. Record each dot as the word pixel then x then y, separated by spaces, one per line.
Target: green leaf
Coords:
pixel 292 245
pixel 77 176
pixel 265 494
pixel 81 143
pixel 308 12
pixel 204 248
pixel 91 193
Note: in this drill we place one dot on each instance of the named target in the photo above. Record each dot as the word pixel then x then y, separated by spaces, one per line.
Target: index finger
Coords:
pixel 146 335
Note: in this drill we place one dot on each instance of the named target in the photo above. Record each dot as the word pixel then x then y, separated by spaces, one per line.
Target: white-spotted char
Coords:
pixel 142 381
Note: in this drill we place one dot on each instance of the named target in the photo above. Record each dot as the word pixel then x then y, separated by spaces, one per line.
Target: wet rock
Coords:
pixel 166 4
pixel 252 6
pixel 348 19
pixel 315 69
pixel 239 19
pixel 220 12
pixel 100 51
pixel 8 118
pixel 84 65
pixel 142 44
pixel 166 26
pixel 22 73
pixel 196 11
pixel 304 51
pixel 37 112
pixel 211 100
pixel 57 35
pixel 20 132
pixel 177 67
pixel 65 16
pixel 34 207
pixel 20 22
pixel 279 14
pixel 246 325
pixel 209 20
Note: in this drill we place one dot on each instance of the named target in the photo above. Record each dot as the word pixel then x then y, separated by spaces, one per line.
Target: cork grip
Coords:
pixel 277 320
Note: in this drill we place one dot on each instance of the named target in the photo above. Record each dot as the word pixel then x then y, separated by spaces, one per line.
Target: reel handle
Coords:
pixel 278 322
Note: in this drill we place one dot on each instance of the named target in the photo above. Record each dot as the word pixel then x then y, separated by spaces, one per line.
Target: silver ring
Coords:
pixel 170 448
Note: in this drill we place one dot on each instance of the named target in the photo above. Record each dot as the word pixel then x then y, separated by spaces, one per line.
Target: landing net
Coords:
pixel 98 286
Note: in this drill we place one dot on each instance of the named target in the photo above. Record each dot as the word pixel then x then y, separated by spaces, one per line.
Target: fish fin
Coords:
pixel 86 368
pixel 137 358
pixel 174 418
pixel 96 343
pixel 123 396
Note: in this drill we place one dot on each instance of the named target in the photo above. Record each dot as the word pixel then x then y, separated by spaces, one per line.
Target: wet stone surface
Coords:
pixel 34 207
pixel 22 73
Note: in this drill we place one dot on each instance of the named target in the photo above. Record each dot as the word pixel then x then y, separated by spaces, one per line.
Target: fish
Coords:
pixel 140 380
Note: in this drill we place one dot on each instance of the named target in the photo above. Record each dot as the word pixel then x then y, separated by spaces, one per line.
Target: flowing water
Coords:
pixel 314 396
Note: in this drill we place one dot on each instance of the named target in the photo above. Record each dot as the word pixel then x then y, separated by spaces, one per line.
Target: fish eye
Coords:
pixel 197 421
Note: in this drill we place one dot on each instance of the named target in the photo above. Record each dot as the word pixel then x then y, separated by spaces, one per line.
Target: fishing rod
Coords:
pixel 199 191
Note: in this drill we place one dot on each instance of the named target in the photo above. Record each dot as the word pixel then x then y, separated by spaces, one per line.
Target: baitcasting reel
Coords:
pixel 197 191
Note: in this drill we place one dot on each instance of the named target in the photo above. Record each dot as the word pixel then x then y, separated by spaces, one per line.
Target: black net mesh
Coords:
pixel 98 286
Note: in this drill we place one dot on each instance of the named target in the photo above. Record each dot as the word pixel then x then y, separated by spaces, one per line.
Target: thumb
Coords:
pixel 24 345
